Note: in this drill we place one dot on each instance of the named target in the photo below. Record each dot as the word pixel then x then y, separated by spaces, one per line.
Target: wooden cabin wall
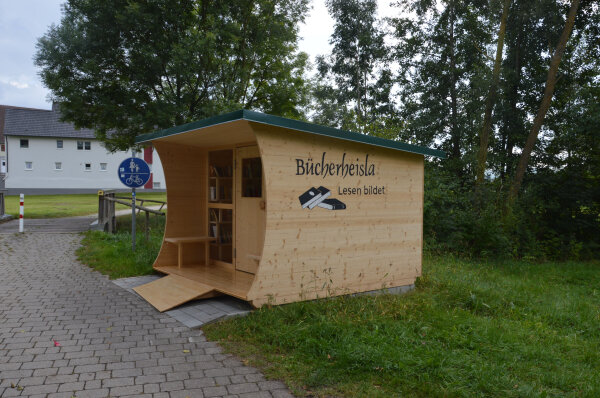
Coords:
pixel 376 242
pixel 185 175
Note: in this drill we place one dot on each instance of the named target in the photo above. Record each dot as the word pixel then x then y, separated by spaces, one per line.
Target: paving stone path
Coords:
pixel 67 331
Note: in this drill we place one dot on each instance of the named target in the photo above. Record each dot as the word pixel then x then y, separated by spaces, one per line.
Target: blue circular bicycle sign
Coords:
pixel 134 172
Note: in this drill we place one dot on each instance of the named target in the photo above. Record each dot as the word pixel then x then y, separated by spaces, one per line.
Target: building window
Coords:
pixel 28 165
pixel 156 185
pixel 57 165
pixel 84 144
pixel 102 166
pixel 24 143
pixel 2 148
pixel 59 144
pixel 88 167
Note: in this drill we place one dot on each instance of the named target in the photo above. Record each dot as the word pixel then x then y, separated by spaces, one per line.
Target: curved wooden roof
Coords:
pixel 291 124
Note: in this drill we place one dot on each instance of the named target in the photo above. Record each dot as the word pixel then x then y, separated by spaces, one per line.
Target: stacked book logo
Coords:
pixel 320 197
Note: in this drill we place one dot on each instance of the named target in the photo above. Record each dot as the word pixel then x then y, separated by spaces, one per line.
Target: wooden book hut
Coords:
pixel 274 210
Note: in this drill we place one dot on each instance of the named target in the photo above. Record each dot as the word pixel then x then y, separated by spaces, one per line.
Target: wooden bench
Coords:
pixel 179 241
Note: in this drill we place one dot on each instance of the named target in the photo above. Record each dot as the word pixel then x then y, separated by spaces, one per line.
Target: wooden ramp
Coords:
pixel 172 290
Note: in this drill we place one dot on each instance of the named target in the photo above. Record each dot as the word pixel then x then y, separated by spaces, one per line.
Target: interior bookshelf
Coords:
pixel 220 177
pixel 220 214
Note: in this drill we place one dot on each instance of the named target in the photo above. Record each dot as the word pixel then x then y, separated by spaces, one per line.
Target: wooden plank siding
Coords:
pixel 374 243
pixel 186 175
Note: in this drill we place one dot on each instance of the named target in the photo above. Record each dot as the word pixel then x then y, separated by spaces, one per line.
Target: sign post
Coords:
pixel 21 212
pixel 133 219
pixel 133 173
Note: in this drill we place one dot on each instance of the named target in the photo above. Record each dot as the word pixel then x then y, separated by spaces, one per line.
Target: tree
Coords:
pixel 545 103
pixel 354 83
pixel 441 52
pixel 491 97
pixel 128 67
pixel 445 54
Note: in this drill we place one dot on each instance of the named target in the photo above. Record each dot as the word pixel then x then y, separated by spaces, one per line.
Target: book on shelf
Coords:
pixel 225 237
pixel 221 171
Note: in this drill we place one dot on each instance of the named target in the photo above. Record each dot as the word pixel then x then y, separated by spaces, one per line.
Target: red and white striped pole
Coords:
pixel 21 213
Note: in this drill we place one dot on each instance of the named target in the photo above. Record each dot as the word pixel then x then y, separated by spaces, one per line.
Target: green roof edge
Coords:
pixel 298 125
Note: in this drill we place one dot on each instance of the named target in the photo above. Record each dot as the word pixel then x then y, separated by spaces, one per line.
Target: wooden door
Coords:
pixel 249 209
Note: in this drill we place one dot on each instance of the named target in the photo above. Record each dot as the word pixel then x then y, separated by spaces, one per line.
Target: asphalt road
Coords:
pixel 54 225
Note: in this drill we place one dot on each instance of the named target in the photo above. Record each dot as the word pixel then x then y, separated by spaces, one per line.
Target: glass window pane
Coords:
pixel 251 178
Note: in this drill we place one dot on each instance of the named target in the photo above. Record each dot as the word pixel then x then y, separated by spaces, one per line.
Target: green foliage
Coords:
pixel 556 217
pixel 129 67
pixel 111 254
pixel 455 221
pixel 443 76
pixel 470 329
pixel 445 50
pixel 353 86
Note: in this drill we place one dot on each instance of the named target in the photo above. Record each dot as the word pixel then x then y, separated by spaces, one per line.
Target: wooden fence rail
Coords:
pixel 2 207
pixel 106 210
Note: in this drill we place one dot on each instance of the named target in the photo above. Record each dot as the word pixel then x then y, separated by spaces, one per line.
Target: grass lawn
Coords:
pixel 111 254
pixel 470 329
pixel 54 206
pixel 504 329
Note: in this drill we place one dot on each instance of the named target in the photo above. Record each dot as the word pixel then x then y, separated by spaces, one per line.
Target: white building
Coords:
pixel 44 153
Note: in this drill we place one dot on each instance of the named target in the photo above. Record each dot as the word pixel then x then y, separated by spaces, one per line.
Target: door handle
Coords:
pixel 263 205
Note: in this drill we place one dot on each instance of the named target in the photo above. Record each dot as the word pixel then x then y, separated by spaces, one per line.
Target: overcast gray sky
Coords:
pixel 23 21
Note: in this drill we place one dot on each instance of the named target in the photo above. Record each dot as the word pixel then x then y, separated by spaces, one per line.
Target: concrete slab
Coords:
pixel 195 313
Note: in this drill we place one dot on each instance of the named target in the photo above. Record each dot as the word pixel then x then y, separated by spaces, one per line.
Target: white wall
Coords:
pixel 43 154
pixel 158 174
pixel 2 157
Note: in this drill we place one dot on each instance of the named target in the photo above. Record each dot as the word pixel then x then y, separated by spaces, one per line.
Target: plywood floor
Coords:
pixel 171 291
pixel 223 279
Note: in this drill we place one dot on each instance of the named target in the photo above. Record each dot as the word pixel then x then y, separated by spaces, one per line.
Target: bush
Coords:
pixel 557 217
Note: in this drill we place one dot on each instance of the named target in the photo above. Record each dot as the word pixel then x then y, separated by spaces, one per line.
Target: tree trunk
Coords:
pixel 545 104
pixel 484 137
pixel 453 96
pixel 512 119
